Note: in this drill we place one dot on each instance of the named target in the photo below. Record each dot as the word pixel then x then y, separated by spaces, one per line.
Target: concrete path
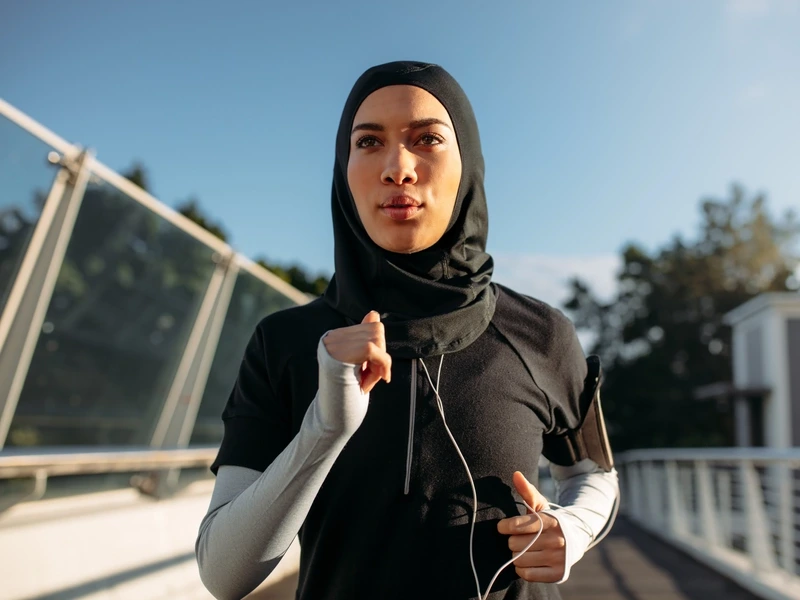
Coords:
pixel 633 565
pixel 628 565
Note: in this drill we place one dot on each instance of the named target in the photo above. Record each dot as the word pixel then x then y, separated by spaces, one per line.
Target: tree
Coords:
pixel 192 211
pixel 293 273
pixel 298 277
pixel 136 174
pixel 662 336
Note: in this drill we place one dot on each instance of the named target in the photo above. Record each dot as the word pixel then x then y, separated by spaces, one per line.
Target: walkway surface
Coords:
pixel 628 565
pixel 633 565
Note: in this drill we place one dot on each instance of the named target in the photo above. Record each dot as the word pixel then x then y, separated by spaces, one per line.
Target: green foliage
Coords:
pixel 293 274
pixel 192 211
pixel 662 336
pixel 137 174
pixel 298 277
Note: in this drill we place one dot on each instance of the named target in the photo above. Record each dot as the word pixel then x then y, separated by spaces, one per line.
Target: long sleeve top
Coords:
pixel 255 513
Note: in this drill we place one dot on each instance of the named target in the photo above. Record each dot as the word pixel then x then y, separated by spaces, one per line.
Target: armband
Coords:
pixel 590 438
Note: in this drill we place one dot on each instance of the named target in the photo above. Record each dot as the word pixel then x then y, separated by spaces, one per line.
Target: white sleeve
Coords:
pixel 587 500
pixel 253 517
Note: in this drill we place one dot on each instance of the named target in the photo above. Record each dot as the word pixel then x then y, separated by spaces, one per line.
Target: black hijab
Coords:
pixel 437 300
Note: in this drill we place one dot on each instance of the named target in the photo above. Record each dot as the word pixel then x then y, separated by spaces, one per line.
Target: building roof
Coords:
pixel 781 301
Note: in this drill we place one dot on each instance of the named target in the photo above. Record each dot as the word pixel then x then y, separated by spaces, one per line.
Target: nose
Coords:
pixel 400 167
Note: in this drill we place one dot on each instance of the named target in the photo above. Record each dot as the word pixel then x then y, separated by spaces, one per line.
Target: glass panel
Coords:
pixel 123 306
pixel 252 300
pixel 25 180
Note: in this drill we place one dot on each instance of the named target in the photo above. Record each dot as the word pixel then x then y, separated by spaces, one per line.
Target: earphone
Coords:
pixel 514 557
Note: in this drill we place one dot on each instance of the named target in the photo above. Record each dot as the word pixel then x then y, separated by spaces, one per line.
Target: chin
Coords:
pixel 403 246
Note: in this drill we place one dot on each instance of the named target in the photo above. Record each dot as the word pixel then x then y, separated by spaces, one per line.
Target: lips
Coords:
pixel 400 201
pixel 401 208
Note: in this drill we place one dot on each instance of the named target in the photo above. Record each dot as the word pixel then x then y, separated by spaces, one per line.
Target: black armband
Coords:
pixel 590 438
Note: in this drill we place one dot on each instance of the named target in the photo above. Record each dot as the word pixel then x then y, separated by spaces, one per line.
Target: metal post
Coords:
pixel 206 356
pixel 687 496
pixel 725 487
pixel 655 515
pixel 636 490
pixel 759 544
pixel 676 523
pixel 705 500
pixel 183 401
pixel 167 429
pixel 30 297
pixel 782 475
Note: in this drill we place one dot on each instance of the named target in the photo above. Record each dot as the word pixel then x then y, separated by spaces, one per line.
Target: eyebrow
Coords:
pixel 413 125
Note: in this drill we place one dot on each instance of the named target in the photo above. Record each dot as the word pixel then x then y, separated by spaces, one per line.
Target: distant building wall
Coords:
pixel 793 339
pixel 755 357
pixel 766 354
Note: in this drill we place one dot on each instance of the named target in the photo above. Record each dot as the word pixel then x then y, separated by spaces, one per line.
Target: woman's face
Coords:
pixel 404 168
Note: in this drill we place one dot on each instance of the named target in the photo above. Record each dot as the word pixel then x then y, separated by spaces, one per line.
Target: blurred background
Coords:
pixel 165 173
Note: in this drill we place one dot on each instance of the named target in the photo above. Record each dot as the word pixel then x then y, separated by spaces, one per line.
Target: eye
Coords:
pixel 431 139
pixel 367 141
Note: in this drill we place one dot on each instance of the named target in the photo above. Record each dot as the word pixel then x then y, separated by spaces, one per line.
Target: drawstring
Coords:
pixel 474 492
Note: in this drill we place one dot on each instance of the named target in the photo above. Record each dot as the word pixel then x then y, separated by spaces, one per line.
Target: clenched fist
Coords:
pixel 546 560
pixel 365 345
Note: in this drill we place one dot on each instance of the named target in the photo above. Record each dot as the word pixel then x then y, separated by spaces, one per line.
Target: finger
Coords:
pixel 372 317
pixel 378 334
pixel 541 574
pixel 520 525
pixel 378 366
pixel 379 361
pixel 548 540
pixel 540 558
pixel 387 370
pixel 529 492
pixel 530 523
pixel 369 378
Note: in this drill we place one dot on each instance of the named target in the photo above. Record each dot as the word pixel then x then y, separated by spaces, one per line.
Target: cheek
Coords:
pixel 355 180
pixel 451 181
pixel 352 176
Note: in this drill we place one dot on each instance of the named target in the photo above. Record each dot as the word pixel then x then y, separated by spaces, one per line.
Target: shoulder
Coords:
pixel 546 341
pixel 296 330
pixel 534 323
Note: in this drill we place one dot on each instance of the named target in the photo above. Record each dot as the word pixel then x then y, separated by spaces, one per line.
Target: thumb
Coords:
pixel 372 372
pixel 529 492
pixel 372 317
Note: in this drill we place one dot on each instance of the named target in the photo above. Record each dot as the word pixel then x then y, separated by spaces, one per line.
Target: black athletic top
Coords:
pixel 392 519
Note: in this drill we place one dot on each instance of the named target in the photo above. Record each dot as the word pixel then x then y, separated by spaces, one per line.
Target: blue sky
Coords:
pixel 601 122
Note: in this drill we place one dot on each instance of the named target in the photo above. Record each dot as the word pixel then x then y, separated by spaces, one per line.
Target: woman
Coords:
pixel 354 418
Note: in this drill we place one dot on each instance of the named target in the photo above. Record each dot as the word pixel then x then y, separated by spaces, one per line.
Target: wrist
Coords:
pixel 341 403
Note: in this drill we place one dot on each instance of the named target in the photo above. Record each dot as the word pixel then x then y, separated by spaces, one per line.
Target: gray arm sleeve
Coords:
pixel 253 517
pixel 589 500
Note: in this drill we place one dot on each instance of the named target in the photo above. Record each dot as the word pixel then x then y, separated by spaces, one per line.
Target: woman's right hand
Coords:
pixel 365 345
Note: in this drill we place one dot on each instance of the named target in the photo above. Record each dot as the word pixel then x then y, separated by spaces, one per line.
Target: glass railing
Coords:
pixel 26 178
pixel 113 336
pixel 124 303
pixel 250 301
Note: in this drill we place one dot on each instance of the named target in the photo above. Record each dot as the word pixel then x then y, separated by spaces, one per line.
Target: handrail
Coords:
pixel 732 508
pixel 37 130
pixel 16 463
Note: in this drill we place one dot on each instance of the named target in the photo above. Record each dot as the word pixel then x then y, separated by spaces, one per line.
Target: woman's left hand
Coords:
pixel 546 560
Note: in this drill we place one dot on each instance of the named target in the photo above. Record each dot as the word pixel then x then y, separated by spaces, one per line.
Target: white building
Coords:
pixel 766 370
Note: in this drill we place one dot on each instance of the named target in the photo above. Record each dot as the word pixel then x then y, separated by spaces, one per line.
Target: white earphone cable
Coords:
pixel 514 557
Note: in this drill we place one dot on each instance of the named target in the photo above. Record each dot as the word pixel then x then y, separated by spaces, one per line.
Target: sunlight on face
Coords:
pixel 404 168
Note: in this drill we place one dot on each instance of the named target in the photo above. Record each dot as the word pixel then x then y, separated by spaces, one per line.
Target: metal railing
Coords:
pixel 147 465
pixel 735 509
pixel 22 317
